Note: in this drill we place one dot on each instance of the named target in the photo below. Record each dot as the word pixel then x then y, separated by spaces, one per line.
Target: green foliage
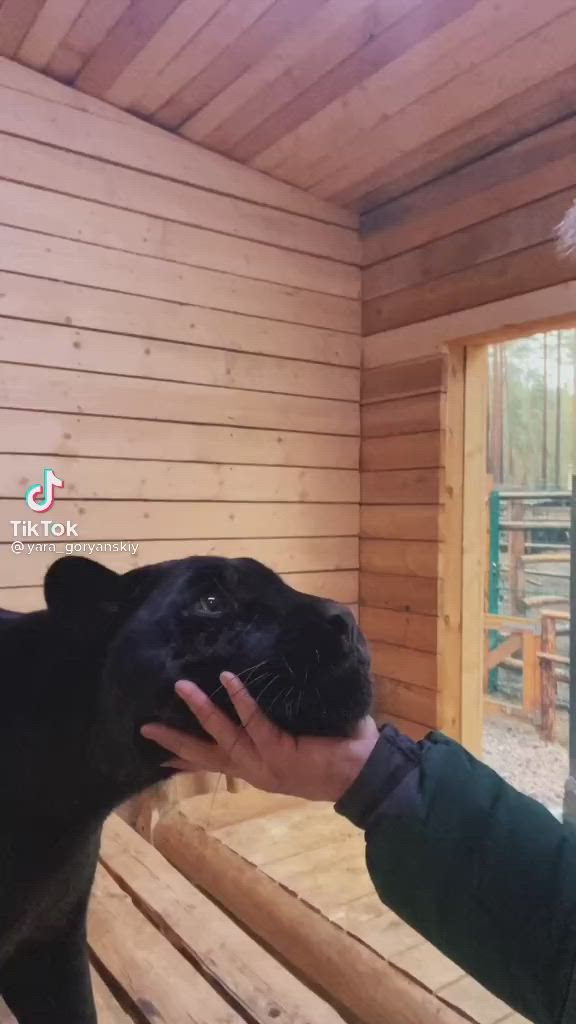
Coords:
pixel 532 411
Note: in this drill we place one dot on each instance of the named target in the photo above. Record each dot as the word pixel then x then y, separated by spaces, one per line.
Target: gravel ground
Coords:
pixel 514 749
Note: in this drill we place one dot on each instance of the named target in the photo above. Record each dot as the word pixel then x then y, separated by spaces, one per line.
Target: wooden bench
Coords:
pixel 302 938
pixel 294 873
pixel 164 953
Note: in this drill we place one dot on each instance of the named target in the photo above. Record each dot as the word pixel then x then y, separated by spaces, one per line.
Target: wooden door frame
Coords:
pixel 471 402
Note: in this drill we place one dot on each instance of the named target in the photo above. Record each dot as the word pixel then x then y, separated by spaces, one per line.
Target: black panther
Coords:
pixel 81 677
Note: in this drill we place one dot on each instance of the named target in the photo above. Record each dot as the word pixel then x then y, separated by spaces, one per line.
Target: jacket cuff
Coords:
pixel 389 782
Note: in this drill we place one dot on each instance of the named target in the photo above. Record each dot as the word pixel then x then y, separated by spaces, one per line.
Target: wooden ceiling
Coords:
pixel 357 101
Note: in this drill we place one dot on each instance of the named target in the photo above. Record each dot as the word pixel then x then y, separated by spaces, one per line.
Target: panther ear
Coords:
pixel 74 585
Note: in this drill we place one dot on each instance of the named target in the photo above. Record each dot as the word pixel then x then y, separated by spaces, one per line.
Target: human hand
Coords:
pixel 257 751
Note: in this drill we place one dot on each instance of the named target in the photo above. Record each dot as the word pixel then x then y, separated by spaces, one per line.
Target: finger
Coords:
pixel 226 733
pixel 190 748
pixel 260 729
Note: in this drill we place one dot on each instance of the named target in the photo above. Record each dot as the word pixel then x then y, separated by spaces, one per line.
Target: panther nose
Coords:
pixel 341 621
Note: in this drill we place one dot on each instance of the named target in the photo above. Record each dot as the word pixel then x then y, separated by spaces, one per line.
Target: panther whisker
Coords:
pixel 272 702
pixel 288 705
pixel 288 666
pixel 251 668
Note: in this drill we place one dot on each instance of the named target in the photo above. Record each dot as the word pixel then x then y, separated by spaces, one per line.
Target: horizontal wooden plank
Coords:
pixel 401 522
pixel 405 700
pixel 400 558
pixel 28 252
pixel 142 214
pixel 152 965
pixel 178 481
pixel 151 520
pixel 405 451
pixel 403 487
pixel 502 320
pixel 37 299
pixel 409 666
pixel 117 438
pixel 514 274
pixel 406 629
pixel 536 166
pixel 402 416
pixel 340 586
pixel 286 555
pixel 400 592
pixel 31 387
pixel 403 379
pixel 21 599
pixel 141 146
pixel 500 235
pixel 99 351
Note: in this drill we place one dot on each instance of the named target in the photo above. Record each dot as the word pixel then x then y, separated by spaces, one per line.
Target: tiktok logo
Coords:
pixel 40 497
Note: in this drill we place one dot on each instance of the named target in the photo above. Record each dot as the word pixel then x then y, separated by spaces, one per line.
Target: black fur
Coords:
pixel 80 678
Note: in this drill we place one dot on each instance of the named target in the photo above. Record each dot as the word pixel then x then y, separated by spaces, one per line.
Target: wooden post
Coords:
pixel 531 674
pixel 548 676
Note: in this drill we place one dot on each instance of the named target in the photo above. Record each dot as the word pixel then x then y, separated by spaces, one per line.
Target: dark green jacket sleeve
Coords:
pixel 485 874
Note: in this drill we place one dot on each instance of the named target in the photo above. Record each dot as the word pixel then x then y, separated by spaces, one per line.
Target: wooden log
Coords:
pixel 554 659
pixel 548 676
pixel 353 975
pixel 557 613
pixel 536 559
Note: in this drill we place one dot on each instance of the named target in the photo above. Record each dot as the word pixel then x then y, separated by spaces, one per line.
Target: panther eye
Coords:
pixel 210 604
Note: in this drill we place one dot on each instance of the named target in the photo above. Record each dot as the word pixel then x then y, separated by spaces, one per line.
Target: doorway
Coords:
pixel 521 416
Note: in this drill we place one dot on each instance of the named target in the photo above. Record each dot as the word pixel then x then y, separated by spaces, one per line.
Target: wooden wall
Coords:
pixel 403 459
pixel 179 342
pixel 468 257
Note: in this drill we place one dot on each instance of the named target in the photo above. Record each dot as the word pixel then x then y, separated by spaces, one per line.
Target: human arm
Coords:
pixel 484 873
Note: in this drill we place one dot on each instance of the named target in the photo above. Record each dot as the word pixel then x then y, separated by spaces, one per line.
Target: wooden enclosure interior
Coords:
pixel 181 334
pixel 192 381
